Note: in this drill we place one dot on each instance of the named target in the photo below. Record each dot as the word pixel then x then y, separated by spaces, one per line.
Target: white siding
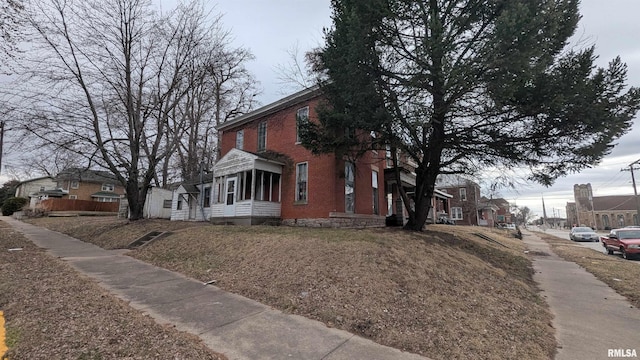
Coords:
pixel 33 186
pixel 266 208
pixel 243 208
pixel 154 204
pixel 179 214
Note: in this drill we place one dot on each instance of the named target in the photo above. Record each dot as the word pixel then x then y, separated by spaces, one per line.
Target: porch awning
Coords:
pixel 236 161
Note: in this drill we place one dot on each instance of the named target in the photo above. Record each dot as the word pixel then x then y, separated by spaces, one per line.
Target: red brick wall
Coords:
pixel 325 173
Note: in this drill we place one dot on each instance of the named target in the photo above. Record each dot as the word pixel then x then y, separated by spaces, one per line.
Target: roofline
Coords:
pixel 35 179
pixel 276 106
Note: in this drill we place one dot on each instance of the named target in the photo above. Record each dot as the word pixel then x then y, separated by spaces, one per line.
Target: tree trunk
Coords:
pixel 136 206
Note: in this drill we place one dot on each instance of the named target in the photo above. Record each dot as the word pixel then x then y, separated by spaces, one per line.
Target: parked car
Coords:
pixel 443 219
pixel 583 233
pixel 625 241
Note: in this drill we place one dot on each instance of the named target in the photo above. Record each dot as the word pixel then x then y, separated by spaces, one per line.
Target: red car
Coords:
pixel 625 240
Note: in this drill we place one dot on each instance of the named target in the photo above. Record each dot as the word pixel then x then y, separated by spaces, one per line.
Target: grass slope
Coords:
pixel 444 293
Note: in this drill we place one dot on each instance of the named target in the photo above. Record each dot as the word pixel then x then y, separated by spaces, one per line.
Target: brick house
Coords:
pixel 466 208
pixel 265 174
pixel 90 185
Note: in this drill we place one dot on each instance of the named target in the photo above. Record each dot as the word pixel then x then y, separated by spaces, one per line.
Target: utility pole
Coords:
pixel 635 191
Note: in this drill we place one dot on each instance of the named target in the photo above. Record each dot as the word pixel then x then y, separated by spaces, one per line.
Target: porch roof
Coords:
pixel 236 161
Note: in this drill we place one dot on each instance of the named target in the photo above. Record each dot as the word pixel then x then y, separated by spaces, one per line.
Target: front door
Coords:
pixel 230 201
pixel 193 206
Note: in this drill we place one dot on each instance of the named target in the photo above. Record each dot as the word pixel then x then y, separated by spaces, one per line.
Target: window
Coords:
pixel 605 221
pixel 635 219
pixel 463 194
pixel 73 197
pixel 262 136
pixel 107 187
pixel 179 204
pixel 75 184
pixel 621 220
pixel 302 117
pixel 349 187
pixel 239 139
pixel 245 185
pixel 207 197
pixel 218 190
pixel 301 182
pixel 167 204
pixel 456 213
pixel 374 186
pixel 41 188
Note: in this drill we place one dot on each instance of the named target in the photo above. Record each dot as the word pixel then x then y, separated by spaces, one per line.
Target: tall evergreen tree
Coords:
pixel 464 85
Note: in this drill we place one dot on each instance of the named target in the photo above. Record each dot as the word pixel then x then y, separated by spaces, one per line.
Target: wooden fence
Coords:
pixel 78 205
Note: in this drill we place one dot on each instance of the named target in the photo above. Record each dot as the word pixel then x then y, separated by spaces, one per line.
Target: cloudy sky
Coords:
pixel 271 28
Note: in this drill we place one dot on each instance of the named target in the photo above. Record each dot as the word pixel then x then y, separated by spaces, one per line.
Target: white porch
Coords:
pixel 247 189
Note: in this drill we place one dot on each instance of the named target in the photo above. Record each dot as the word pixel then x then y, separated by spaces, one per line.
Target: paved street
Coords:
pixel 564 234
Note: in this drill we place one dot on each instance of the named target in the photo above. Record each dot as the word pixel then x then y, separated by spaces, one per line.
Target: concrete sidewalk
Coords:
pixel 589 317
pixel 236 326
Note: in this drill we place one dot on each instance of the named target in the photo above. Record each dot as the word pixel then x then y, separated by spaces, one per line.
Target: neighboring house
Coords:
pixel 497 211
pixel 90 185
pixel 191 200
pixel 396 211
pixel 266 175
pixel 32 189
pixel 466 206
pixel 601 212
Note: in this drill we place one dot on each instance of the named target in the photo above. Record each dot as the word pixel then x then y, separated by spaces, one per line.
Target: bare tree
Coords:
pixel 110 78
pixel 10 28
pixel 221 88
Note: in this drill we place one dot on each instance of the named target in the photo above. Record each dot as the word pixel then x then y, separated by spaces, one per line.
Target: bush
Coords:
pixel 12 205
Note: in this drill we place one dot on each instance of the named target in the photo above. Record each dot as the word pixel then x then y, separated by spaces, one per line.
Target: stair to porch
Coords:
pixel 147 238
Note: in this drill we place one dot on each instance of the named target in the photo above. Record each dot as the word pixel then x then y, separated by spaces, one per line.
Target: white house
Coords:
pixel 30 189
pixel 191 201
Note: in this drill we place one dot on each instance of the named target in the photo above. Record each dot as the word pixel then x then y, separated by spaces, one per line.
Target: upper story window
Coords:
pixel 108 187
pixel 302 116
pixel 262 136
pixel 240 139
pixel 463 194
pixel 75 184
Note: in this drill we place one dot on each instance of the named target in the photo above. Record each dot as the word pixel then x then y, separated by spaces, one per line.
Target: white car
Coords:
pixel 583 233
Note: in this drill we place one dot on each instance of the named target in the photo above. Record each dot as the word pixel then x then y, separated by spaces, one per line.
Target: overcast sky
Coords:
pixel 270 28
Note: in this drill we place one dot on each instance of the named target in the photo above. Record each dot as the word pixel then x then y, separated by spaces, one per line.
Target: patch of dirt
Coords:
pixel 52 312
pixel 444 293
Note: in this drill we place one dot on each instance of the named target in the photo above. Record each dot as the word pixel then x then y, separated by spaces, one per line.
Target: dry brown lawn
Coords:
pixel 621 275
pixel 444 293
pixel 52 312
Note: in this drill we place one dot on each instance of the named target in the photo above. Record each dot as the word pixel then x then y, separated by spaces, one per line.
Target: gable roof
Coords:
pixel 87 175
pixel 614 203
pixel 276 106
pixel 34 179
